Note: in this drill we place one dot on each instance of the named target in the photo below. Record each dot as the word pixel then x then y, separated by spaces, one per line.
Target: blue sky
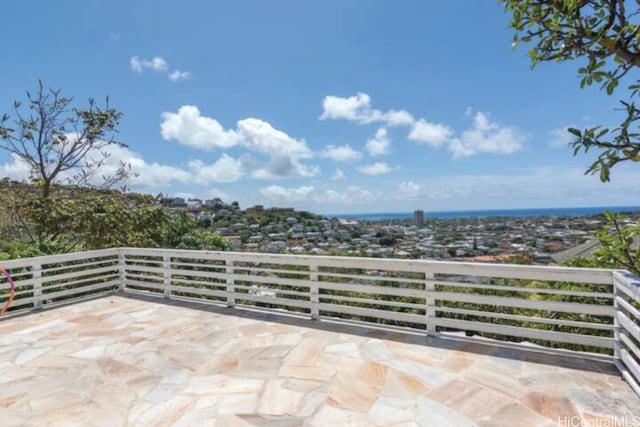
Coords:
pixel 336 107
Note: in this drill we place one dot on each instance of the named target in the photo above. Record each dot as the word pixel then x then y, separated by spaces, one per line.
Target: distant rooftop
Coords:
pixel 584 250
pixel 146 361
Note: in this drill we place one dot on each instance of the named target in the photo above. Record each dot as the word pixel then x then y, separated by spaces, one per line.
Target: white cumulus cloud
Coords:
pixel 343 153
pixel 16 169
pixel 338 175
pixel 485 136
pixel 561 138
pixel 225 169
pixel 282 154
pixel 408 189
pixel 176 75
pixel 276 192
pixel 433 134
pixel 156 63
pixel 379 144
pixel 188 127
pixel 378 168
pixel 352 195
pixel 358 108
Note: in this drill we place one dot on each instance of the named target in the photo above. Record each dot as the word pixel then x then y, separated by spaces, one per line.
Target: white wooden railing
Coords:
pixel 591 310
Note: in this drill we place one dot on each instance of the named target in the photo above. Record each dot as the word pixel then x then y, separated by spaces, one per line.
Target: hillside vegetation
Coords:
pixel 74 219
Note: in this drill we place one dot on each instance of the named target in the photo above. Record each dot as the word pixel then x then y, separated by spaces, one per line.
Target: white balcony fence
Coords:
pixel 590 310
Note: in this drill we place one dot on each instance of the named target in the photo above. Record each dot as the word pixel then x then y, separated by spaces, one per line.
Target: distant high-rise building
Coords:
pixel 418 218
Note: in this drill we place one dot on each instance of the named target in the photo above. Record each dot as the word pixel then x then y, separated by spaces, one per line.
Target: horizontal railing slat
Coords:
pixel 564 307
pixel 146 285
pixel 628 307
pixel 373 301
pixel 532 319
pixel 79 273
pixel 631 364
pixel 372 289
pixel 199 291
pixel 274 301
pixel 516 331
pixel 631 346
pixel 370 312
pixel 632 328
pixel 531 290
pixel 80 290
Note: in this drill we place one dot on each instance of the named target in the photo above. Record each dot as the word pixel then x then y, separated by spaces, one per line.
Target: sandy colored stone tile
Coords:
pixel 592 401
pixel 429 375
pixel 238 403
pixel 210 384
pixel 347 349
pixel 305 353
pixel 273 351
pixel 143 384
pixel 163 392
pixel 307 372
pixel 258 368
pixel 165 413
pixel 42 405
pixel 376 350
pixel 278 400
pixel 372 373
pixel 9 401
pixel 331 416
pixel 334 362
pixel 402 385
pixel 208 401
pixel 242 385
pixel 457 364
pixel 494 379
pixel 303 386
pixel 470 400
pixel 388 411
pixel 516 414
pixel 432 413
pixel 218 364
pixel 112 367
pixel 551 405
pixel 353 392
pixel 310 402
pixel 28 355
pixel 200 417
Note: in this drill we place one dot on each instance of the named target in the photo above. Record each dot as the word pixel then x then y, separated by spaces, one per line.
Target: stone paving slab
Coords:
pixel 125 360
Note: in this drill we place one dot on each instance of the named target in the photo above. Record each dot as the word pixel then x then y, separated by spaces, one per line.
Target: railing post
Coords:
pixel 36 270
pixel 121 270
pixel 231 291
pixel 166 269
pixel 314 292
pixel 430 300
pixel 616 322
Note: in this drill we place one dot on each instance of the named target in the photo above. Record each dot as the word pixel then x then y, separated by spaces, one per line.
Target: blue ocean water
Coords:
pixel 491 213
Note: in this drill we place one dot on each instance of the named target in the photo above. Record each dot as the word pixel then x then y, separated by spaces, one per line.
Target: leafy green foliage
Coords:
pixel 619 245
pixel 603 33
pixel 84 219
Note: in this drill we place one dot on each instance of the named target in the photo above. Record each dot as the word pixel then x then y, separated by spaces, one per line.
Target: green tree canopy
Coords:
pixel 604 35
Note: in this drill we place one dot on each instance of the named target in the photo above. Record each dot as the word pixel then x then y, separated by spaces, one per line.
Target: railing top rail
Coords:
pixel 514 271
pixel 48 259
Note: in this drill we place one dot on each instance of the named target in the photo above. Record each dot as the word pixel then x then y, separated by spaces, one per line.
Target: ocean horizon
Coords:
pixel 488 213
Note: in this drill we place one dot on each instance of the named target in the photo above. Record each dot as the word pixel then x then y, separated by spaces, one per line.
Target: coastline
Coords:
pixel 489 213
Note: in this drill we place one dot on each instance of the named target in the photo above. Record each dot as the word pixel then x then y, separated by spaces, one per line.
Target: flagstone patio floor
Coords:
pixel 132 360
